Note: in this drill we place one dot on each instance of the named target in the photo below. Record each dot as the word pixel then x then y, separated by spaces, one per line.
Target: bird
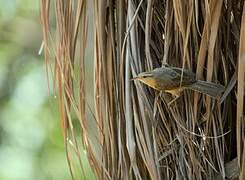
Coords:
pixel 174 80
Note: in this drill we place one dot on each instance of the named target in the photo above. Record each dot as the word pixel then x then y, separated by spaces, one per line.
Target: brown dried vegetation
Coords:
pixel 134 134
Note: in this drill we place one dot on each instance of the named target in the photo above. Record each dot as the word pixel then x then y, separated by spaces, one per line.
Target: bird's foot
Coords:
pixel 171 102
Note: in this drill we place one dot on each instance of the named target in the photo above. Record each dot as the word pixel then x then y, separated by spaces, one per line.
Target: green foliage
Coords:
pixel 31 140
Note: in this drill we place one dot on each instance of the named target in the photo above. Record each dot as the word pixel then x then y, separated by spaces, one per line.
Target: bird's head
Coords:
pixel 147 78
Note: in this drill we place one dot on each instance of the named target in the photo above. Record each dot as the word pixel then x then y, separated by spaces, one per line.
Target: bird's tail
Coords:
pixel 212 89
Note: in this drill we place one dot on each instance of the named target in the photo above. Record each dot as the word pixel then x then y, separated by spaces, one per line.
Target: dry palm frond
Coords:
pixel 133 132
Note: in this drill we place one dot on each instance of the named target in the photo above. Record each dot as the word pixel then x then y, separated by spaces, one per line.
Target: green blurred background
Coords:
pixel 31 142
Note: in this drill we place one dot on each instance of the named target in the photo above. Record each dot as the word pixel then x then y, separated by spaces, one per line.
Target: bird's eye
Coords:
pixel 147 76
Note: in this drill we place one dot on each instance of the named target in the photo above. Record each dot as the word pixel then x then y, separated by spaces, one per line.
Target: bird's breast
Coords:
pixel 150 82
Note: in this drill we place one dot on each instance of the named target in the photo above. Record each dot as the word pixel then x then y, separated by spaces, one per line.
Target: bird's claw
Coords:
pixel 169 103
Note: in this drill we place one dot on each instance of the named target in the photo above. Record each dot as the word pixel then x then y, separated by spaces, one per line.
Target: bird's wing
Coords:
pixel 167 78
pixel 188 77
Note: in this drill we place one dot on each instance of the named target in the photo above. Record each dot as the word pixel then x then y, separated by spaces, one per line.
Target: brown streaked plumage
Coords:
pixel 168 79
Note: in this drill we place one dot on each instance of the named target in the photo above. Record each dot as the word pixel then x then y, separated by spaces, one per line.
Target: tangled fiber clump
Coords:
pixel 132 132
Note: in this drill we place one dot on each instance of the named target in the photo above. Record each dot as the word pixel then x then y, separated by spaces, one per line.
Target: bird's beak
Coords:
pixel 142 75
pixel 134 78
